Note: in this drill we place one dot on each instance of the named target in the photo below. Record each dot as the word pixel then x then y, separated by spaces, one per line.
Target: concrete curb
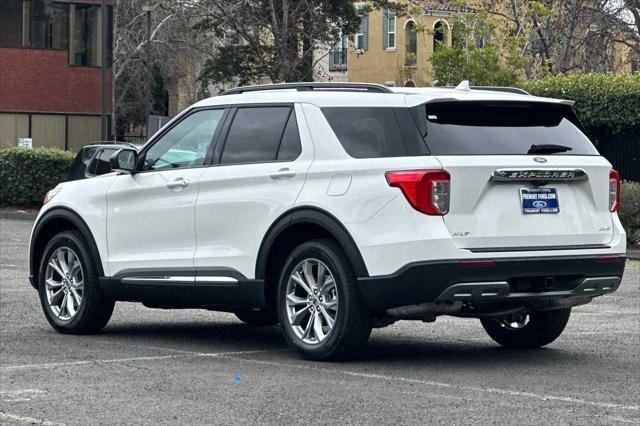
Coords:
pixel 18 215
pixel 633 254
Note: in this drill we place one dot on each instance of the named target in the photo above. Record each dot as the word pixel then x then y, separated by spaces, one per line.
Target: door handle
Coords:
pixel 178 183
pixel 283 174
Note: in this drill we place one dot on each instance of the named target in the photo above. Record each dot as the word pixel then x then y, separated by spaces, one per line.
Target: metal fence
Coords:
pixel 623 151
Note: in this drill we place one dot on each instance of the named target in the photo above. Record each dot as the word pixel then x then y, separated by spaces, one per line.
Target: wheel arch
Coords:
pixel 52 222
pixel 293 228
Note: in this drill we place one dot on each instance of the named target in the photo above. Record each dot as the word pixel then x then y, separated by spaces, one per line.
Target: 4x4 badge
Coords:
pixel 539 159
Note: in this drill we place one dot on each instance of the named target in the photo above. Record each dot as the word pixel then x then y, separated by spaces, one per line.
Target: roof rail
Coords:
pixel 502 89
pixel 310 86
pixel 492 89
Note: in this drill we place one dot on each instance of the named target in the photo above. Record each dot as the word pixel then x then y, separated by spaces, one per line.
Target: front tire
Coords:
pixel 528 331
pixel 68 286
pixel 321 312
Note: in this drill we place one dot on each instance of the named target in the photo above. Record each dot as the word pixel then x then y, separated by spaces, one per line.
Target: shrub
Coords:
pixel 27 174
pixel 605 103
pixel 629 211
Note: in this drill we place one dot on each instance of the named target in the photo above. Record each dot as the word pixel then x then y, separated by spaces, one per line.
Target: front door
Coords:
pixel 150 219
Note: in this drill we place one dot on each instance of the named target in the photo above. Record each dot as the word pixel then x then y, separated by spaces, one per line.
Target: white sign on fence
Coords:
pixel 25 143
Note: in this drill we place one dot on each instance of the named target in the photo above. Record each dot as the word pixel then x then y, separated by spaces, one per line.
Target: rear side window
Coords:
pixel 255 135
pixel 503 128
pixel 367 132
pixel 290 147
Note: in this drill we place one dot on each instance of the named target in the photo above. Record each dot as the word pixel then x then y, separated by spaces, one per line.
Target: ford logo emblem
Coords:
pixel 539 160
pixel 539 204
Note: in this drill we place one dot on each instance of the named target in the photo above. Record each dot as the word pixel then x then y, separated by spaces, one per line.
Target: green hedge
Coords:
pixel 629 211
pixel 27 174
pixel 605 103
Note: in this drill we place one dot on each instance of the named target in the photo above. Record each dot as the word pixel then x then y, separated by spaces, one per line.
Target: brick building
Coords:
pixel 50 59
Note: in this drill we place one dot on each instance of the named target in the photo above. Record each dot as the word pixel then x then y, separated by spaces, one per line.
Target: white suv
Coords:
pixel 335 208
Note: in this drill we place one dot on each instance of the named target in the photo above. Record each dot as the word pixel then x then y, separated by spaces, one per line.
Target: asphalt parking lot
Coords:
pixel 192 366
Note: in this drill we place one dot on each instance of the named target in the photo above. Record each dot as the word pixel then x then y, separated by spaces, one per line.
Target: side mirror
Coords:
pixel 123 160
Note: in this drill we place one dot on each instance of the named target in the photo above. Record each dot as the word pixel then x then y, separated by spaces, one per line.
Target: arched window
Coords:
pixel 411 52
pixel 439 34
pixel 409 83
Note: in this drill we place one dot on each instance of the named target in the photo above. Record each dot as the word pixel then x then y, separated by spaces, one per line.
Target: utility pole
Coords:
pixel 148 9
pixel 104 125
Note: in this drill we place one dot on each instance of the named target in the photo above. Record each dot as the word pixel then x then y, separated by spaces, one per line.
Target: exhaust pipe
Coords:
pixel 425 311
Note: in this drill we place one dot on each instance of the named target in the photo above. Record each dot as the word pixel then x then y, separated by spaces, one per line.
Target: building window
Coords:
pixel 411 37
pixel 439 35
pixel 49 26
pixel 362 36
pixel 11 24
pixel 86 35
pixel 388 29
pixel 338 55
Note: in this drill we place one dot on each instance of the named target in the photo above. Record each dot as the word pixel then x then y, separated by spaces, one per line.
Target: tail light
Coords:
pixel 428 191
pixel 614 190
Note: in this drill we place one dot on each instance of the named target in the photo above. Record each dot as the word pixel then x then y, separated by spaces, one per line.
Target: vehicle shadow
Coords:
pixel 395 350
pixel 197 336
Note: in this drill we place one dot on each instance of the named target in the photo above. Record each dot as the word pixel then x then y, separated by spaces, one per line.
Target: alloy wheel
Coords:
pixel 64 283
pixel 311 301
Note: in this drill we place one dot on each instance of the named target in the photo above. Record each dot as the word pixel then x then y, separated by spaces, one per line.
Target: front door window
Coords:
pixel 186 144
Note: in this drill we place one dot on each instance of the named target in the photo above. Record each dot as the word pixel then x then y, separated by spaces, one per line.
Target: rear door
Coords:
pixel 260 165
pixel 523 176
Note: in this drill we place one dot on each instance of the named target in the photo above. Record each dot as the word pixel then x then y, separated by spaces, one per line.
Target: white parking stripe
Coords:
pixel 233 356
pixel 441 384
pixel 184 354
pixel 23 419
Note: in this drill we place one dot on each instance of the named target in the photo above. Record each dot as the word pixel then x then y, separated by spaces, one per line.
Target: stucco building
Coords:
pixel 397 50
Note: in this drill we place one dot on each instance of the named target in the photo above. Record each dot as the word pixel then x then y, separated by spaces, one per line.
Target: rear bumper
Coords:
pixel 508 280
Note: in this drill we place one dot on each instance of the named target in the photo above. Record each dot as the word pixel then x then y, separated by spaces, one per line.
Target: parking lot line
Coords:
pixel 4 416
pixel 439 384
pixel 186 354
pixel 233 355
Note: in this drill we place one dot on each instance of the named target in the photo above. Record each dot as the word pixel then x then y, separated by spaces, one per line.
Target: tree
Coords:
pixel 531 39
pixel 173 42
pixel 477 55
pixel 273 39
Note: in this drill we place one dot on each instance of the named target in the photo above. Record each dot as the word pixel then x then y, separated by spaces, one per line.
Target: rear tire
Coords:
pixel 542 328
pixel 321 312
pixel 69 289
pixel 257 317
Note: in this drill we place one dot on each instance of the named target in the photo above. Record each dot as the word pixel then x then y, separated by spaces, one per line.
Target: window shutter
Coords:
pixel 365 33
pixel 385 28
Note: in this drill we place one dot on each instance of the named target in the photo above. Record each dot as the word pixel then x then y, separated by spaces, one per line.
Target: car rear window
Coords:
pixel 374 132
pixel 502 128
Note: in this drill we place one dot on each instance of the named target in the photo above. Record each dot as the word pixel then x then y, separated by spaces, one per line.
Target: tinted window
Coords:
pixel 509 128
pixel 185 144
pixel 290 147
pixel 254 135
pixel 367 132
pixel 49 24
pixel 11 23
pixel 102 162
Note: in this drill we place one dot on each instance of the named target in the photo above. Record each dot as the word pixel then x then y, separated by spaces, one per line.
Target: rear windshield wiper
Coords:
pixel 548 149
